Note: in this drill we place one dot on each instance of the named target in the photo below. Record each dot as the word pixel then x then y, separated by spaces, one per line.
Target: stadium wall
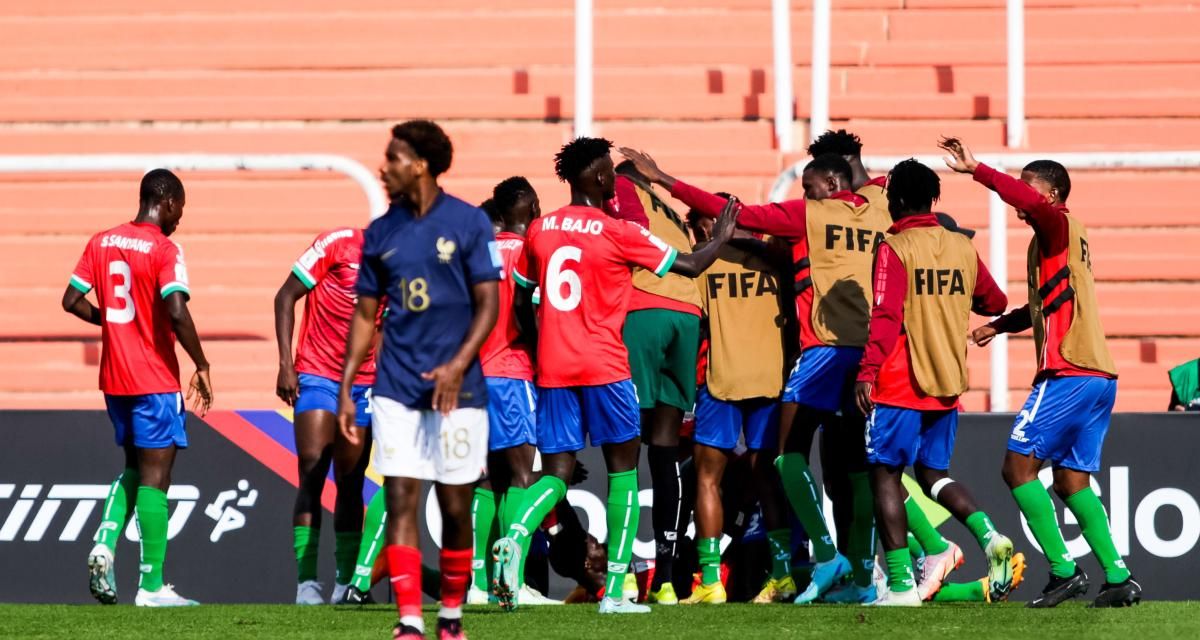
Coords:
pixel 231 502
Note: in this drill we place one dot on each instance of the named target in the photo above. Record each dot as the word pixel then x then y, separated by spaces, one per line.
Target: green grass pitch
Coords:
pixel 1154 620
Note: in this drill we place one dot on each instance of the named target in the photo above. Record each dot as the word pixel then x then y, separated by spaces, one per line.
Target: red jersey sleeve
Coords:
pixel 320 257
pixel 82 277
pixel 782 219
pixel 642 248
pixel 1049 221
pixel 988 300
pixel 627 204
pixel 172 271
pixel 1014 321
pixel 887 314
pixel 522 272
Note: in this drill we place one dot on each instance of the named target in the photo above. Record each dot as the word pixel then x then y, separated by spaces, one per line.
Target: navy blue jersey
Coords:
pixel 425 267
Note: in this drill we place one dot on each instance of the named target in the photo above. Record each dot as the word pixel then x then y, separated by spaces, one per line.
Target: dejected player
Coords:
pixel 928 280
pixel 581 258
pixel 324 276
pixel 1066 417
pixel 432 257
pixel 141 287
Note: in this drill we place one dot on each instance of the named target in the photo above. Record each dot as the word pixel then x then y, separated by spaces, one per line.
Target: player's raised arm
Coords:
pixel 200 391
pixel 695 263
pixel 287 383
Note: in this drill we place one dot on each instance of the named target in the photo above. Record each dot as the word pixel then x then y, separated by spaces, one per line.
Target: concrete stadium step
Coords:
pixel 1042 24
pixel 233 399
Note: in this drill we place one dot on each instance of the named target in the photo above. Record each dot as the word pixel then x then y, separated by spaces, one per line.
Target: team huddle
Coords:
pixel 511 339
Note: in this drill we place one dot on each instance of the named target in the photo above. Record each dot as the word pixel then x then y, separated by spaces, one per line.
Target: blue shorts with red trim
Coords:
pixel 719 423
pixel 567 417
pixel 511 408
pixel 1065 421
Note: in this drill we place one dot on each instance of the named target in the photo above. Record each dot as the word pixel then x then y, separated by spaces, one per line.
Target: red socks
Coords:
pixel 456 573
pixel 404 563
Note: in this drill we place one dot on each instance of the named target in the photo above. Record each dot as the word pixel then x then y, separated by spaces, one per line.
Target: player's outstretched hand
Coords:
pixel 346 415
pixel 960 159
pixel 287 385
pixel 983 335
pixel 727 223
pixel 447 381
pixel 644 164
pixel 200 392
pixel 862 397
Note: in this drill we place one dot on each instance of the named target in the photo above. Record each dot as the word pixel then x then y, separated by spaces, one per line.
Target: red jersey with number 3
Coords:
pixel 502 354
pixel 581 258
pixel 133 268
pixel 329 268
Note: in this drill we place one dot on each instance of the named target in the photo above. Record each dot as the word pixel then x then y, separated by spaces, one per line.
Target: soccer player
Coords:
pixel 1066 416
pixel 324 276
pixel 507 360
pixel 743 375
pixel 662 333
pixel 928 280
pixel 141 288
pixel 581 258
pixel 432 255
pixel 833 233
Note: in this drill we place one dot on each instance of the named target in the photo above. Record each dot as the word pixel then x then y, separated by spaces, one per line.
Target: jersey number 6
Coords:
pixel 557 276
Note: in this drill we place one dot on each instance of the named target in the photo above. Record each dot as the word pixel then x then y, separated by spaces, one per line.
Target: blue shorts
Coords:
pixel 720 422
pixel 151 421
pixel 318 393
pixel 899 437
pixel 823 378
pixel 511 407
pixel 1065 421
pixel 604 414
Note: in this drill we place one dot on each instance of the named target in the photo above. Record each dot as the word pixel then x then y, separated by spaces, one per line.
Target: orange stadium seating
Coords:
pixel 690 82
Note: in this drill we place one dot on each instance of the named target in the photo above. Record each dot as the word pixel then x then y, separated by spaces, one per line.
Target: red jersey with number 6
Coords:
pixel 503 355
pixel 133 268
pixel 329 268
pixel 581 258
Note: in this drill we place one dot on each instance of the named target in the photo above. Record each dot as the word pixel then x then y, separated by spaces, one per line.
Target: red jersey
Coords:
pixel 885 360
pixel 582 260
pixel 787 220
pixel 329 268
pixel 133 268
pixel 502 354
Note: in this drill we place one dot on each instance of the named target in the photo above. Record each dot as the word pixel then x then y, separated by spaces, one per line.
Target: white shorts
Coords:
pixel 426 445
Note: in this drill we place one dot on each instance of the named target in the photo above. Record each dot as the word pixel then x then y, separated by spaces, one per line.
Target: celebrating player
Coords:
pixel 432 256
pixel 743 375
pixel 507 359
pixel 581 258
pixel 928 279
pixel 662 333
pixel 833 233
pixel 324 276
pixel 1067 414
pixel 142 286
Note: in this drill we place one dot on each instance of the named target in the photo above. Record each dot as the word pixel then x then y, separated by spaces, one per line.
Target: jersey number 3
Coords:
pixel 557 276
pixel 122 281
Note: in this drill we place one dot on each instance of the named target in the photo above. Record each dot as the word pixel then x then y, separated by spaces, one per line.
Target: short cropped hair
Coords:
pixel 579 154
pixel 158 186
pixel 1054 174
pixel 429 142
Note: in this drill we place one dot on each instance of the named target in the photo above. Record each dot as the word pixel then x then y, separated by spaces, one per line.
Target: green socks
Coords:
pixel 961 592
pixel 918 523
pixel 483 520
pixel 900 570
pixel 781 553
pixel 345 552
pixel 152 526
pixel 1093 522
pixel 1035 503
pixel 709 550
pixel 509 506
pixel 121 495
pixel 981 527
pixel 801 492
pixel 538 502
pixel 306 541
pixel 622 527
pixel 861 547
pixel 374 525
pixel 914 548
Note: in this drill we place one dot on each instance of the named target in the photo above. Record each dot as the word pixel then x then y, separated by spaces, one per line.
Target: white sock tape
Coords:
pixel 938 486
